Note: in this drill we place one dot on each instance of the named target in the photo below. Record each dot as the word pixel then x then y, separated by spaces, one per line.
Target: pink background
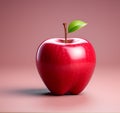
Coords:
pixel 24 24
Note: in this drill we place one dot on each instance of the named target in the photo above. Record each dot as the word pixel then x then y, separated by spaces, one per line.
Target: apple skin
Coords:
pixel 65 67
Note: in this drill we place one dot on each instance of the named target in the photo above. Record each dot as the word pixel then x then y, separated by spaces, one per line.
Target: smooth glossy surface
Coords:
pixel 65 67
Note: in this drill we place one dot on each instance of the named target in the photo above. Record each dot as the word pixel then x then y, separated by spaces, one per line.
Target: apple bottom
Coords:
pixel 68 79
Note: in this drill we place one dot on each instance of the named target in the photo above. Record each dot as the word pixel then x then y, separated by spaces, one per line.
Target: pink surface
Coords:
pixel 22 90
pixel 24 24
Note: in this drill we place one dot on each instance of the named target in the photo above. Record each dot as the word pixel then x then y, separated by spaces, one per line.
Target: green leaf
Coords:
pixel 76 25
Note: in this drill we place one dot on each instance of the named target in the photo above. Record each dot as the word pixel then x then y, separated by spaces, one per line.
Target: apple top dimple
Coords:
pixel 70 41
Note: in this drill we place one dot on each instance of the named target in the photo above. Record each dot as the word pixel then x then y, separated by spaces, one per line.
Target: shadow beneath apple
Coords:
pixel 29 92
pixel 33 92
pixel 52 102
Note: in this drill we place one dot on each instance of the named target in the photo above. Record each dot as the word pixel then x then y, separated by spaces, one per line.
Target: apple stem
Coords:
pixel 65 29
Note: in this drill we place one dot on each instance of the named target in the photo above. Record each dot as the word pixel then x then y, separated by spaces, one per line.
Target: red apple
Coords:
pixel 65 67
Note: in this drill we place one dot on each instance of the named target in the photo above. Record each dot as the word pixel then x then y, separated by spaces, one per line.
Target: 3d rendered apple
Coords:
pixel 66 64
